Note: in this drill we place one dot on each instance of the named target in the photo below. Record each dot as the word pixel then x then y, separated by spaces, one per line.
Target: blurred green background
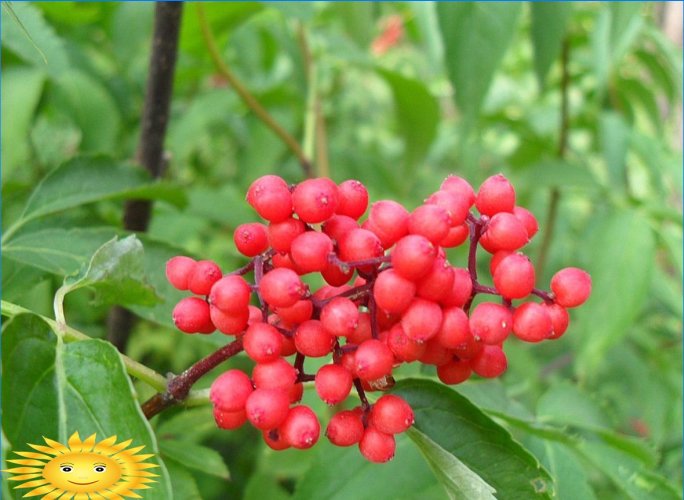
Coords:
pixel 579 104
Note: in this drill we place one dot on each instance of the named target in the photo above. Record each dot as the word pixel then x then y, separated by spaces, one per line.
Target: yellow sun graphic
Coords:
pixel 83 470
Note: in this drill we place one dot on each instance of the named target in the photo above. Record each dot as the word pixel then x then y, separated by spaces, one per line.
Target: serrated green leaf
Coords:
pixel 486 448
pixel 116 271
pixel 417 114
pixel 53 390
pixel 21 91
pixel 26 33
pixel 195 457
pixel 475 36
pixel 549 21
pixel 458 480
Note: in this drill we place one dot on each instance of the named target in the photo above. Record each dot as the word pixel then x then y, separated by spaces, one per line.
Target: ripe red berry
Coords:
pixel 282 287
pixel 334 275
pixel 310 251
pixel 460 290
pixel 315 200
pixel 338 226
pixel 251 239
pixel 496 194
pixel 490 362
pixel 353 199
pixel 362 332
pixel 421 320
pixel 281 234
pixel 571 286
pixel 393 293
pixel 391 414
pixel 278 374
pixel 460 187
pixel 229 419
pixel 559 319
pixel 191 315
pixel 532 322
pixel 456 236
pixel 297 313
pixel 262 342
pixel 301 428
pixel 345 428
pixel 267 408
pixel 359 244
pixel 230 390
pixel 454 372
pixel 528 219
pixel 340 316
pixel 230 323
pixel 435 353
pixel 377 446
pixel 311 339
pixel 372 360
pixel 270 197
pixel 455 329
pixel 203 277
pixel 431 221
pixel 275 440
pixel 178 271
pixel 455 206
pixel 404 348
pixel 231 294
pixel 413 256
pixel 504 232
pixel 514 276
pixel 388 220
pixel 438 279
pixel 333 383
pixel 490 323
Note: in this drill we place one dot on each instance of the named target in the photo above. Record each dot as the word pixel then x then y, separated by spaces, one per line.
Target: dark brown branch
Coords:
pixel 150 152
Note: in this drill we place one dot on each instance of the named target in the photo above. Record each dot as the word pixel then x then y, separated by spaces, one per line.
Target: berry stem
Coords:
pixel 258 275
pixel 353 294
pixel 373 312
pixel 547 296
pixel 345 266
pixel 362 396
pixel 178 386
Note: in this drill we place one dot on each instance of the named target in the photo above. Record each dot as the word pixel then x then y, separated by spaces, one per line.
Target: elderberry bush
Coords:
pixel 391 297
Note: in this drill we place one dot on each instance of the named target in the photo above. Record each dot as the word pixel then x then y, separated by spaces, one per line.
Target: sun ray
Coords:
pixel 31 454
pixel 40 491
pixel 105 445
pixel 45 449
pixel 32 484
pixel 53 495
pixel 24 477
pixel 23 470
pixel 57 446
pixel 25 461
pixel 89 442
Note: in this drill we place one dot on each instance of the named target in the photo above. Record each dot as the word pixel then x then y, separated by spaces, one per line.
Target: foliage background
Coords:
pixel 468 88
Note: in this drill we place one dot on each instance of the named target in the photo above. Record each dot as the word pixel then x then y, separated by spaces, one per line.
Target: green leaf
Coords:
pixel 621 263
pixel 417 114
pixel 183 483
pixel 458 480
pixel 568 473
pixel 21 91
pixel 116 271
pixel 475 36
pixel 559 174
pixel 615 135
pixel 55 390
pixel 549 21
pixel 302 11
pixel 639 92
pixel 26 33
pixel 485 447
pixel 564 403
pixel 87 179
pixel 262 485
pixel 195 457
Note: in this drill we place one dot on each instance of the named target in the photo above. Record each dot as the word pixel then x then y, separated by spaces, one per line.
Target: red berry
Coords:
pixel 460 291
pixel 559 319
pixel 230 323
pixel 435 353
pixel 281 234
pixel 229 419
pixel 359 244
pixel 251 239
pixel 275 440
pixel 404 348
pixel 504 232
pixel 455 206
pixel 528 219
pixel 310 251
pixel 315 200
pixel 413 256
pixel 313 340
pixel 454 372
pixel 496 194
pixel 340 316
pixel 421 320
pixel 571 286
pixel 270 197
pixel 456 236
pixel 532 322
pixel 377 446
pixel 393 293
pixel 353 199
pixel 440 278
pixel 362 331
pixel 460 187
pixel 333 383
pixel 231 294
pixel 372 360
pixel 335 276
pixel 278 374
pixel 282 287
pixel 391 414
pixel 301 428
pixel 297 313
pixel 338 226
pixel 490 323
pixel 496 259
pixel 191 315
pixel 203 277
pixel 230 390
pixel 178 271
pixel 431 221
pixel 388 220
pixel 490 362
pixel 262 342
pixel 514 276
pixel 345 428
pixel 455 329
pixel 267 408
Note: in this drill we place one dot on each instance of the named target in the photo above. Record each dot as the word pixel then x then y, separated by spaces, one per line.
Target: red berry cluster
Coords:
pixel 391 297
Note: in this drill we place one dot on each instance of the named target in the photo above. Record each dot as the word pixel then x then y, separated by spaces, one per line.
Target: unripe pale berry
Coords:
pixel 178 270
pixel 571 286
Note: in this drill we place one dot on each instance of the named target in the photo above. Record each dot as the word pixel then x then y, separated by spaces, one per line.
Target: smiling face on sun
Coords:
pixel 82 472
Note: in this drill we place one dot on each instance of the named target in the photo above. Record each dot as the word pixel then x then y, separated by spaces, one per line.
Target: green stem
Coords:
pixel 246 95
